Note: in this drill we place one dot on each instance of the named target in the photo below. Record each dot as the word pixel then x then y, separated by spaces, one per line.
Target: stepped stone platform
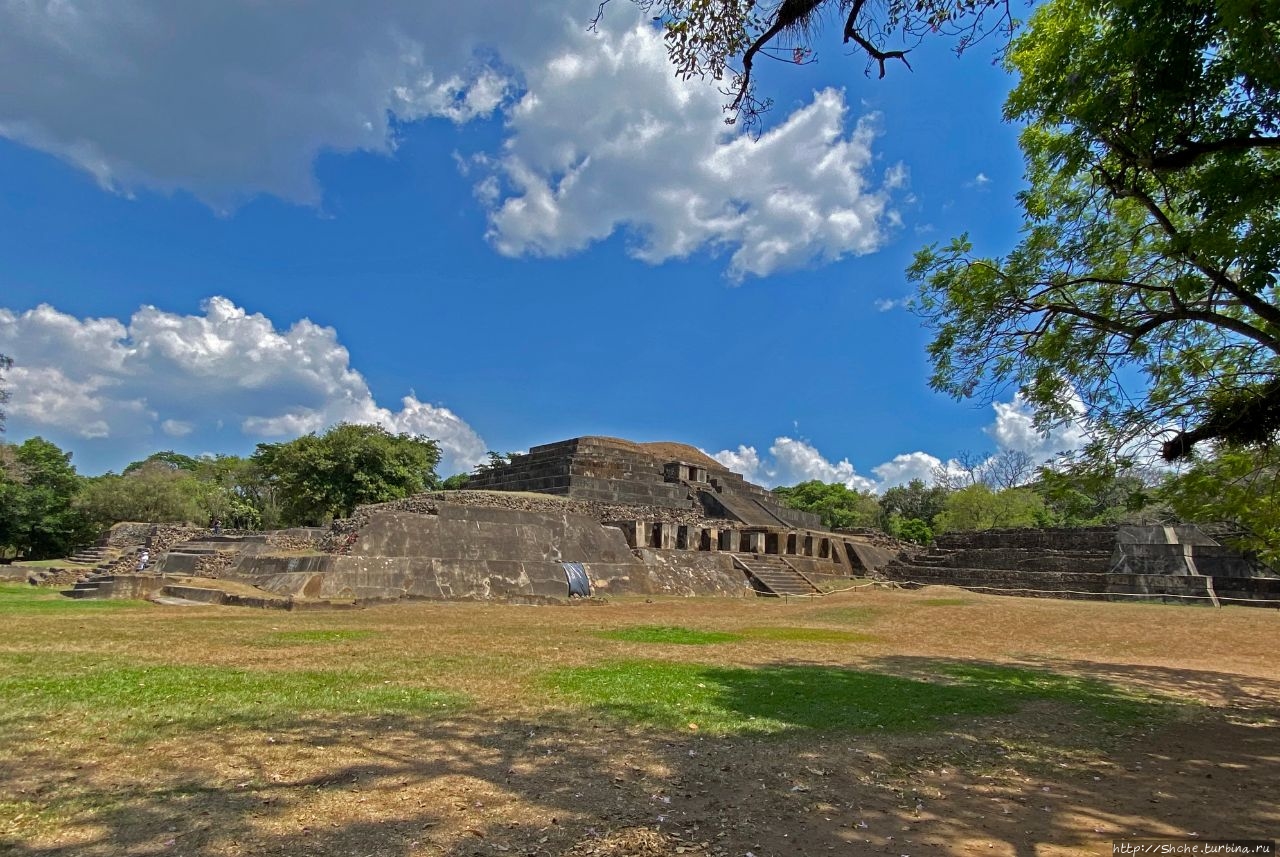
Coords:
pixel 1169 564
pixel 613 470
pixel 607 515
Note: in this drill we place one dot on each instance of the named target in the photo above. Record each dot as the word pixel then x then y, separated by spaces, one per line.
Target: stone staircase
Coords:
pixel 90 586
pixel 101 557
pixel 95 555
pixel 773 576
pixel 206 555
pixel 186 591
pixel 100 586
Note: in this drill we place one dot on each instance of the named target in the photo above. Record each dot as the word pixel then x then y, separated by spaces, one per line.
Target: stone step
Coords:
pixel 776 575
pixel 786 586
pixel 194 593
pixel 81 591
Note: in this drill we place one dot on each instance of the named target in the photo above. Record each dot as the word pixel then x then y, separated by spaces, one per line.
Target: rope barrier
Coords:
pixel 819 594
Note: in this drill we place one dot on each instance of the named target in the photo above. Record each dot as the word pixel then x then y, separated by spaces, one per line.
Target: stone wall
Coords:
pixel 1090 539
pixel 618 472
pixel 693 573
pixel 460 552
pixel 588 468
pixel 158 539
pixel 341 534
pixel 1131 563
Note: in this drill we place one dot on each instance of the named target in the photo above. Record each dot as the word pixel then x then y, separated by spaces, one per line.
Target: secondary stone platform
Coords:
pixel 1178 565
pixel 612 470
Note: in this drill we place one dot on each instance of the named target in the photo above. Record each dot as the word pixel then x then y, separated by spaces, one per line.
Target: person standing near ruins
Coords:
pixel 142 559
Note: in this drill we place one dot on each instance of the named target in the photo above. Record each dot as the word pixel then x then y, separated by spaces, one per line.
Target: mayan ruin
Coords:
pixel 639 428
pixel 595 516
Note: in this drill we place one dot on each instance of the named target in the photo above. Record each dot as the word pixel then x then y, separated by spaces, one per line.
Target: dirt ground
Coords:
pixel 520 772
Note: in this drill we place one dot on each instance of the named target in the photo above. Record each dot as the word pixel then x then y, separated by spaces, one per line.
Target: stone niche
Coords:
pixel 683 471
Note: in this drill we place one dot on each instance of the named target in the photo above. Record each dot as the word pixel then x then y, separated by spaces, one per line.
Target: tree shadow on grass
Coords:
pixel 402 786
pixel 788 697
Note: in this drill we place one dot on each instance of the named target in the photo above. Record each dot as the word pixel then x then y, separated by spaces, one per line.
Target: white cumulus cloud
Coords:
pixel 178 374
pixel 236 98
pixel 606 138
pixel 903 468
pixel 790 460
pixel 1014 429
pixel 745 461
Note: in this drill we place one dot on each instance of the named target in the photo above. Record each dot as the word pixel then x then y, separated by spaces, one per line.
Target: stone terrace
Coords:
pixel 667 475
pixel 1088 563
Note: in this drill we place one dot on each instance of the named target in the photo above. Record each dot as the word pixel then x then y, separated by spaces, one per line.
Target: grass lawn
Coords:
pixel 892 721
pixel 19 598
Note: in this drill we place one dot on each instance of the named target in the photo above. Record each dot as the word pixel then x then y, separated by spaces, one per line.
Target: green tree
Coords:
pixel 234 491
pixel 722 39
pixel 1143 292
pixel 171 487
pixel 1094 495
pixel 837 505
pixel 152 491
pixel 980 508
pixel 37 517
pixel 320 477
pixel 913 500
pixel 1237 487
pixel 914 530
pixel 169 458
pixel 456 482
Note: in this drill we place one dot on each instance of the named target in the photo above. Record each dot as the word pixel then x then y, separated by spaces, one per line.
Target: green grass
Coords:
pixel 777 699
pixel 22 598
pixel 669 634
pixel 943 602
pixel 1105 702
pixel 296 638
pixel 146 697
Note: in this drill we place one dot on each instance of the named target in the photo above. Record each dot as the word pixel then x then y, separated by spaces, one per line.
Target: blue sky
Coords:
pixel 236 225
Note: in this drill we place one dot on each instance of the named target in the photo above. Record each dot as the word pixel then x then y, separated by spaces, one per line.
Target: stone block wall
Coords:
pixel 1027 559
pixel 1091 539
pixel 459 553
pixel 1096 562
pixel 587 468
pixel 608 470
pixel 754 505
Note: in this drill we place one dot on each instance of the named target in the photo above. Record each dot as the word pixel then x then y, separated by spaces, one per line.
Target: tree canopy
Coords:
pixel 837 505
pixel 319 477
pixel 1143 293
pixel 37 486
pixel 723 39
pixel 1238 488
pixel 980 508
pixel 914 500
